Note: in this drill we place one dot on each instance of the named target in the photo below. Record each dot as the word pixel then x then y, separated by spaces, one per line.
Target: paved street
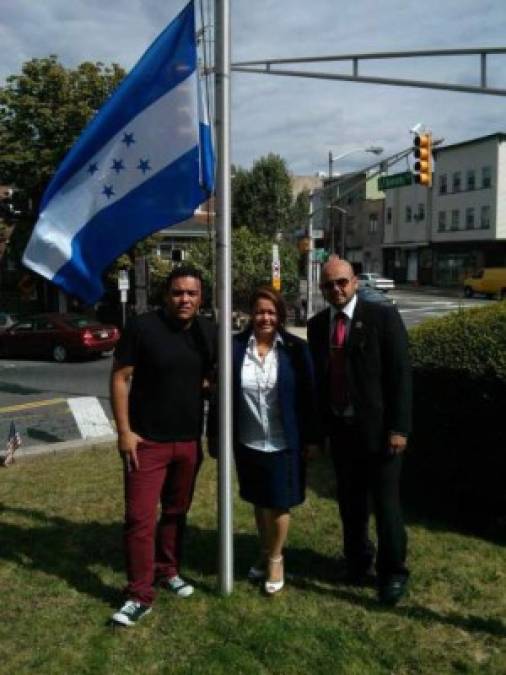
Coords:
pixel 415 306
pixel 34 393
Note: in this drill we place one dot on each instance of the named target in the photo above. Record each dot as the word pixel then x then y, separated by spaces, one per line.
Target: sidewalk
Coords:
pixel 64 447
pixel 452 291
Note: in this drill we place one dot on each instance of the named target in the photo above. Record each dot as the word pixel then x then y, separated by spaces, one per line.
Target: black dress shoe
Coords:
pixel 392 589
pixel 356 576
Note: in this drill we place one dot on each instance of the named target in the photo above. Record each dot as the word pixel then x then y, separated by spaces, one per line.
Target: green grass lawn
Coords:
pixel 61 574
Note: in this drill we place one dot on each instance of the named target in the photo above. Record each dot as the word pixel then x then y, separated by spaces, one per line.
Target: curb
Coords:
pixel 68 447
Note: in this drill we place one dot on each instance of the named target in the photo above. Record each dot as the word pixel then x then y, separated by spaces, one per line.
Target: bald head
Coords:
pixel 338 281
pixel 336 266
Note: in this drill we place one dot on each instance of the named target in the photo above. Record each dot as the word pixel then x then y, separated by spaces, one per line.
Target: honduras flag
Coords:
pixel 145 162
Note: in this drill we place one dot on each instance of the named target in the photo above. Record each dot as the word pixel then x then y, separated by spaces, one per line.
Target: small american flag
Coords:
pixel 13 443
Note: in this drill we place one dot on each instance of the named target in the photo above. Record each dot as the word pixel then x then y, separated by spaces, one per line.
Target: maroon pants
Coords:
pixel 166 474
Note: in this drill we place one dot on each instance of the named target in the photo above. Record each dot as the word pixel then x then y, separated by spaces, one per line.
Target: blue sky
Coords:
pixel 297 118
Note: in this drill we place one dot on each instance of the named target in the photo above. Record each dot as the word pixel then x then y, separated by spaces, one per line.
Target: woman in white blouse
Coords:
pixel 274 426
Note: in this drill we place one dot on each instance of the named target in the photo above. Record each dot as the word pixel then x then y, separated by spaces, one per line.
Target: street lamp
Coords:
pixel 375 149
pixel 344 214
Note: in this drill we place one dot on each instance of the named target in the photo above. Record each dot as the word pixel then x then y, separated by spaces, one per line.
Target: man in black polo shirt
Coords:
pixel 160 365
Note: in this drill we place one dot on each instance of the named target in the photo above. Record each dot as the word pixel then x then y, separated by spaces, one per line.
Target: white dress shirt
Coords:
pixel 261 427
pixel 348 309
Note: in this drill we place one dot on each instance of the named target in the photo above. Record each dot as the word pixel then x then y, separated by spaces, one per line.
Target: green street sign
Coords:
pixel 320 255
pixel 395 180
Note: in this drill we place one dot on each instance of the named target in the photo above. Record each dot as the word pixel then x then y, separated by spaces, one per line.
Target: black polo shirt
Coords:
pixel 165 401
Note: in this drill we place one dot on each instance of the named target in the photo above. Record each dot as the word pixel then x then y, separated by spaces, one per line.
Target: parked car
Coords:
pixel 7 319
pixel 374 280
pixel 58 336
pixel 372 295
pixel 491 281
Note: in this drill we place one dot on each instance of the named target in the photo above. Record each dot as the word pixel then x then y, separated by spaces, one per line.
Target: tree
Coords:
pixel 262 197
pixel 42 112
pixel 301 211
pixel 251 264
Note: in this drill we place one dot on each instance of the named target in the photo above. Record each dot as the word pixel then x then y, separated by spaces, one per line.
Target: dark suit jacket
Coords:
pixel 377 369
pixel 296 389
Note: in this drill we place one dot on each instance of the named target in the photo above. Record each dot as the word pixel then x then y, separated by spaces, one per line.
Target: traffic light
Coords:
pixel 422 151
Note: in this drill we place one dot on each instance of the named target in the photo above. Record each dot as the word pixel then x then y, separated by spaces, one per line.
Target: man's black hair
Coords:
pixel 183 271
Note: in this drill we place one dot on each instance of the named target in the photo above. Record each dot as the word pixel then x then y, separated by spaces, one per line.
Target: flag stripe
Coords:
pixel 172 117
pixel 170 59
pixel 141 212
pixel 139 167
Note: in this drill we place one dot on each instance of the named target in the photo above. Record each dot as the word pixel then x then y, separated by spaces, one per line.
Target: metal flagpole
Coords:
pixel 224 286
pixel 309 299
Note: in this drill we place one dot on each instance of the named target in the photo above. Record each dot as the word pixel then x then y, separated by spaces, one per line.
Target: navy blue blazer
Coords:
pixel 296 389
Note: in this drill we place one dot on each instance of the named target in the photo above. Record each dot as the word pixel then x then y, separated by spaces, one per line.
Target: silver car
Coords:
pixel 374 280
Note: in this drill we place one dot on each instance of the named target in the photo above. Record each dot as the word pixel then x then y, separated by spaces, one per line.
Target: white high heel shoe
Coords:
pixel 272 587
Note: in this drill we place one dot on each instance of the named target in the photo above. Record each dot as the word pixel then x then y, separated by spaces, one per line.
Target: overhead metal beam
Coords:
pixel 379 55
pixel 271 67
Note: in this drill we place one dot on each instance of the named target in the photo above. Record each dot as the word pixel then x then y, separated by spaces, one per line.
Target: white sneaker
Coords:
pixel 130 613
pixel 179 586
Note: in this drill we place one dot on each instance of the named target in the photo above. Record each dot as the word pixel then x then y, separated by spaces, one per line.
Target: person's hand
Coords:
pixel 397 444
pixel 127 446
pixel 311 451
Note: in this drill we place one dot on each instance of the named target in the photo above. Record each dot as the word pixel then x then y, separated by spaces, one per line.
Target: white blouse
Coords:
pixel 261 427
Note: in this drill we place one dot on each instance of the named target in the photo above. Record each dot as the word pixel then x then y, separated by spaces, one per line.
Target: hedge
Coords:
pixel 470 341
pixel 457 465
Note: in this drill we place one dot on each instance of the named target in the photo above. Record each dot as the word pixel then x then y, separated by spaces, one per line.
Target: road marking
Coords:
pixel 32 404
pixel 90 417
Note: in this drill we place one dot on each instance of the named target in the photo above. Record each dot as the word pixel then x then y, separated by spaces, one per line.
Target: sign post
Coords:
pixel 123 287
pixel 276 268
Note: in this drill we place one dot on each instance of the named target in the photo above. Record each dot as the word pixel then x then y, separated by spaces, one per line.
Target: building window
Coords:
pixel 470 218
pixel 389 215
pixel 443 184
pixel 470 180
pixel 409 214
pixel 441 223
pixel 456 181
pixel 455 219
pixel 485 217
pixel 420 214
pixel 171 252
pixel 486 177
pixel 373 223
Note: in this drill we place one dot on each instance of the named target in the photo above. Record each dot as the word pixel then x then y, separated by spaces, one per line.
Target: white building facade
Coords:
pixel 442 234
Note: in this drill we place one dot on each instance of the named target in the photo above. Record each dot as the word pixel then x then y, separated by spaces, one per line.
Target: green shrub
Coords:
pixel 471 341
pixel 457 464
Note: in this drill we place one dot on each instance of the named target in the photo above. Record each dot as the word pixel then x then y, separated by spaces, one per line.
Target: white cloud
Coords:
pixel 300 119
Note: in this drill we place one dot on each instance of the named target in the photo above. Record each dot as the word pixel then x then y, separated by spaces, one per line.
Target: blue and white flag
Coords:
pixel 144 163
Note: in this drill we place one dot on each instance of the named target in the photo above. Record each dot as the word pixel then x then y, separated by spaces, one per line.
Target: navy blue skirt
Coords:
pixel 273 480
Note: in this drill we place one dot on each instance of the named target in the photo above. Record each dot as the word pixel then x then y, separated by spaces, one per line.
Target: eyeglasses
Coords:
pixel 332 283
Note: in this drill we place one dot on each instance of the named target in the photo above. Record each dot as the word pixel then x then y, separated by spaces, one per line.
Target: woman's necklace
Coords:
pixel 262 373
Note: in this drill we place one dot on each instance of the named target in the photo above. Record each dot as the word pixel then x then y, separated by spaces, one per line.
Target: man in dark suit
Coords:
pixel 360 353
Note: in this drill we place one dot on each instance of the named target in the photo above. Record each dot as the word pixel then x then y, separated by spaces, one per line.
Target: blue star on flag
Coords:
pixel 117 165
pixel 144 165
pixel 128 139
pixel 92 168
pixel 108 191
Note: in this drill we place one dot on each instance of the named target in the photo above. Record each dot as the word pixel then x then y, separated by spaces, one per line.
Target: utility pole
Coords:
pixel 309 301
